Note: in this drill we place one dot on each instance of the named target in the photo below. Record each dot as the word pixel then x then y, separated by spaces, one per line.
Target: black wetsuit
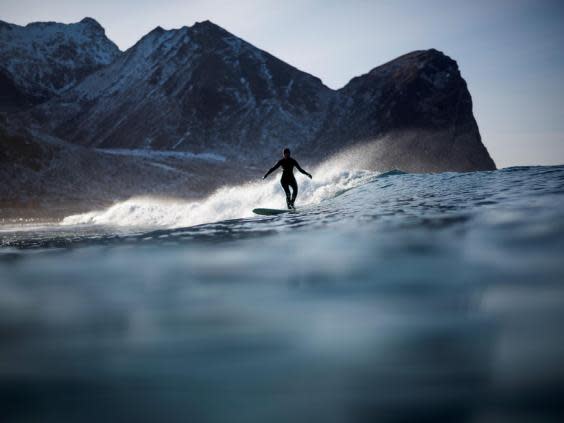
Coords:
pixel 287 180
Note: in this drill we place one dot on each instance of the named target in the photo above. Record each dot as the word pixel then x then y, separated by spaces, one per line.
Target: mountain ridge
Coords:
pixel 41 60
pixel 203 89
pixel 207 70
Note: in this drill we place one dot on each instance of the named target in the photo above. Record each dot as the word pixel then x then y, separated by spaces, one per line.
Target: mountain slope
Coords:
pixel 415 112
pixel 202 89
pixel 47 178
pixel 196 89
pixel 43 59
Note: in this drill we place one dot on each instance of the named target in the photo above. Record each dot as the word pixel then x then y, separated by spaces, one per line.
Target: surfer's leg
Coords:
pixel 286 188
pixel 294 186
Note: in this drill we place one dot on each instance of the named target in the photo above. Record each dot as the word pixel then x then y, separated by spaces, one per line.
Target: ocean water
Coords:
pixel 386 297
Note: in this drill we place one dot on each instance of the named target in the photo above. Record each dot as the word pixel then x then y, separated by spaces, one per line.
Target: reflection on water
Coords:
pixel 409 298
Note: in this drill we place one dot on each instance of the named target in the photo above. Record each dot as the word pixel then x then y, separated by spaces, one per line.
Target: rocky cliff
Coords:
pixel 202 89
pixel 41 60
pixel 413 113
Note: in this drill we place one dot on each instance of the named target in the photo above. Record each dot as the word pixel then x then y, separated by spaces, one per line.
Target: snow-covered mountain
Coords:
pixel 198 89
pixel 202 89
pixel 43 59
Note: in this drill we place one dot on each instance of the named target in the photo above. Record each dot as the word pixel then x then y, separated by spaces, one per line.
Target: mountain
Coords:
pixel 202 89
pixel 198 89
pixel 43 59
pixel 413 113
pixel 44 177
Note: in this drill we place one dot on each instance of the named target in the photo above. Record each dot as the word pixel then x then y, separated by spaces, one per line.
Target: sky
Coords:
pixel 510 52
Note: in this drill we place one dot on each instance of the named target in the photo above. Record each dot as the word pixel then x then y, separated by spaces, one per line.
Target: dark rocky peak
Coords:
pixel 213 37
pixel 154 38
pixel 5 26
pixel 88 24
pixel 404 69
pixel 43 24
pixel 205 23
pixel 93 25
pixel 205 33
pixel 208 26
pixel 91 21
pixel 44 59
pixel 214 56
pixel 417 58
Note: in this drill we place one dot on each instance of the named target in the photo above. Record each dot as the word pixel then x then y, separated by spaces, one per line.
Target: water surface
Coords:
pixel 391 297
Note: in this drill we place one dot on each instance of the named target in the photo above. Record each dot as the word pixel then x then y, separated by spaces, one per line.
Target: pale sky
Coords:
pixel 511 52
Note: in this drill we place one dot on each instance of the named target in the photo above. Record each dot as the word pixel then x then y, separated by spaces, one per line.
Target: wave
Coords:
pixel 329 180
pixel 393 172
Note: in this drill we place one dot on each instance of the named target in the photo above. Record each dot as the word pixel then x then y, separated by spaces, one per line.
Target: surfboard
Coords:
pixel 272 212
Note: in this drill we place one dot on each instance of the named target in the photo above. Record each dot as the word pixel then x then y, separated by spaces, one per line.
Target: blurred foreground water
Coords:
pixel 399 297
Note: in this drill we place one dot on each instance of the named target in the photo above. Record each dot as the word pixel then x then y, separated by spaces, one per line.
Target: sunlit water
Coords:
pixel 394 297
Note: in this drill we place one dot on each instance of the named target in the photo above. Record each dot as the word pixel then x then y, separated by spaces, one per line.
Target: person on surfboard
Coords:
pixel 287 180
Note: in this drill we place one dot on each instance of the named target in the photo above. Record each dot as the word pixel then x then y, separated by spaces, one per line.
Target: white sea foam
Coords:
pixel 329 179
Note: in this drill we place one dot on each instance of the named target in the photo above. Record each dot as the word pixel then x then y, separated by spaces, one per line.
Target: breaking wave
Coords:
pixel 329 180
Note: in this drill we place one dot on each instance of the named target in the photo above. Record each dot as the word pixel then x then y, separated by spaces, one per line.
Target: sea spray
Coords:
pixel 230 202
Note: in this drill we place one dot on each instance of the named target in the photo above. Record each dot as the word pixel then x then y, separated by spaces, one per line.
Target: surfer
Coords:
pixel 287 180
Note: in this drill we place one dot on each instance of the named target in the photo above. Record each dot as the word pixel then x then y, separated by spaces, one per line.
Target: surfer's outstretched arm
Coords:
pixel 272 169
pixel 301 170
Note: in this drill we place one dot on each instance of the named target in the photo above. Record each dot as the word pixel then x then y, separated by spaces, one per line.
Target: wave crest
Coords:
pixel 328 181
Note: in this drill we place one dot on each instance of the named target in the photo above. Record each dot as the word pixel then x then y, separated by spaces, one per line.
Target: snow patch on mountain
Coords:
pixel 46 58
pixel 162 154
